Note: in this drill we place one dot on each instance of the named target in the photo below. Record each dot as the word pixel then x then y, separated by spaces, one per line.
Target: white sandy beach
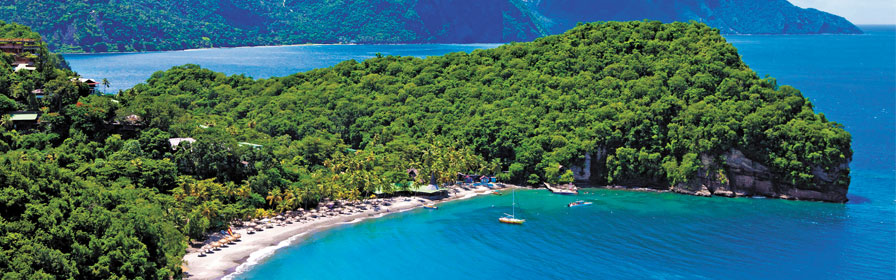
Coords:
pixel 254 247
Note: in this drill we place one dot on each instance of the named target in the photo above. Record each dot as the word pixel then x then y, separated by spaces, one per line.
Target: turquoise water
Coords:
pixel 623 235
pixel 850 78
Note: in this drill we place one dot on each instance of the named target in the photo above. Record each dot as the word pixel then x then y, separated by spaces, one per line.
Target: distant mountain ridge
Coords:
pixel 147 25
pixel 729 16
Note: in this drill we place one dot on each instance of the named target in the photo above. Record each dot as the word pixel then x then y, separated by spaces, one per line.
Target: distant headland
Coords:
pixel 144 25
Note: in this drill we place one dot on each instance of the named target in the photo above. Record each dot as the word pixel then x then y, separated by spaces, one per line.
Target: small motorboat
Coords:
pixel 496 193
pixel 430 206
pixel 579 203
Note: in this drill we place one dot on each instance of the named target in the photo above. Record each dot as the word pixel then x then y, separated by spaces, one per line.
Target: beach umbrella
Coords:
pixel 237 236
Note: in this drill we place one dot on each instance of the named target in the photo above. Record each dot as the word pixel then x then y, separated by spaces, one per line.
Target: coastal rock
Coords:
pixel 583 171
pixel 750 178
pixel 735 175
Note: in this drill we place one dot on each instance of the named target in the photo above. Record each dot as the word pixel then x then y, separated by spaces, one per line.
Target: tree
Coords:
pixel 105 83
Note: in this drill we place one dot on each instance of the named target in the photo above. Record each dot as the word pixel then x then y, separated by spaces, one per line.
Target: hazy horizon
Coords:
pixel 859 12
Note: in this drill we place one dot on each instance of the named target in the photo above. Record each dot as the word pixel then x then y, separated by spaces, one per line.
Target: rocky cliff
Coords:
pixel 732 175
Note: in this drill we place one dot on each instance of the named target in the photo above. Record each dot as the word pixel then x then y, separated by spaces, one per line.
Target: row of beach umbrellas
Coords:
pixel 221 243
pixel 328 209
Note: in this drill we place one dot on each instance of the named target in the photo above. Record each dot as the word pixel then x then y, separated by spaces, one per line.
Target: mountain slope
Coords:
pixel 147 25
pixel 740 17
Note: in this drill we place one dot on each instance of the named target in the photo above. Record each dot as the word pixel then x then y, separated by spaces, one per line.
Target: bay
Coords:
pixel 124 70
pixel 849 78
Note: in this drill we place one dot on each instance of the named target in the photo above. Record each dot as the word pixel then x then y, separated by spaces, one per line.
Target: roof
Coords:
pixel 176 141
pixel 26 116
pixel 250 145
pixel 91 82
pixel 24 67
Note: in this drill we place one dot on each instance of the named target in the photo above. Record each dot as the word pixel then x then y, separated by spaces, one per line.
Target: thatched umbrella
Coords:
pixel 236 237
pixel 216 246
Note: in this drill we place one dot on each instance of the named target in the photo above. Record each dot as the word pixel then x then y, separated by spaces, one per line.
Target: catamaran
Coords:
pixel 511 218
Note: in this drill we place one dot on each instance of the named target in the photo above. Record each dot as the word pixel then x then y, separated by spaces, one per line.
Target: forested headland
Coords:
pixel 84 198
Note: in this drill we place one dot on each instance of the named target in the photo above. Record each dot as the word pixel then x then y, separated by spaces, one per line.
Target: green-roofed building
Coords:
pixel 24 120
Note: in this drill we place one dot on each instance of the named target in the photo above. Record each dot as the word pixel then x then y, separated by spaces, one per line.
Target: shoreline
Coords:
pixel 274 46
pixel 200 49
pixel 255 248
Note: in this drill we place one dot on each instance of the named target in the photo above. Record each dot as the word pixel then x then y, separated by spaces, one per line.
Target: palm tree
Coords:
pixel 273 197
pixel 289 200
pixel 106 84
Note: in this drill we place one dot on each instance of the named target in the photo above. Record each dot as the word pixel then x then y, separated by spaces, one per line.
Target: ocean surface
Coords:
pixel 849 78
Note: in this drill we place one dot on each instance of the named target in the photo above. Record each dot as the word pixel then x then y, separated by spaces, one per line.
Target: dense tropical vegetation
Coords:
pixel 148 25
pixel 85 199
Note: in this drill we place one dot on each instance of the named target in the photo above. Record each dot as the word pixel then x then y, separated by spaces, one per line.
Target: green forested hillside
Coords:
pixel 86 201
pixel 56 222
pixel 148 25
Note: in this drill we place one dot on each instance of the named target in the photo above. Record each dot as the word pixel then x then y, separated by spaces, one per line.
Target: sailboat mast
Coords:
pixel 513 206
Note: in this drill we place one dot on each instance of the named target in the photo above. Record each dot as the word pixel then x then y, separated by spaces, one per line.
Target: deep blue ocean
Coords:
pixel 849 78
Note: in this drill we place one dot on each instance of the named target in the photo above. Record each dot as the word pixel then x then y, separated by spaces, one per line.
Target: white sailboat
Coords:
pixel 511 218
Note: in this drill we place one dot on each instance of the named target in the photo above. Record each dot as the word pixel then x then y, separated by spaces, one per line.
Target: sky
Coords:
pixel 856 11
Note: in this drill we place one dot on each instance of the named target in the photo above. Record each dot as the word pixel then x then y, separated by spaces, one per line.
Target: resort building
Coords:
pixel 251 145
pixel 91 83
pixel 24 51
pixel 24 120
pixel 174 142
